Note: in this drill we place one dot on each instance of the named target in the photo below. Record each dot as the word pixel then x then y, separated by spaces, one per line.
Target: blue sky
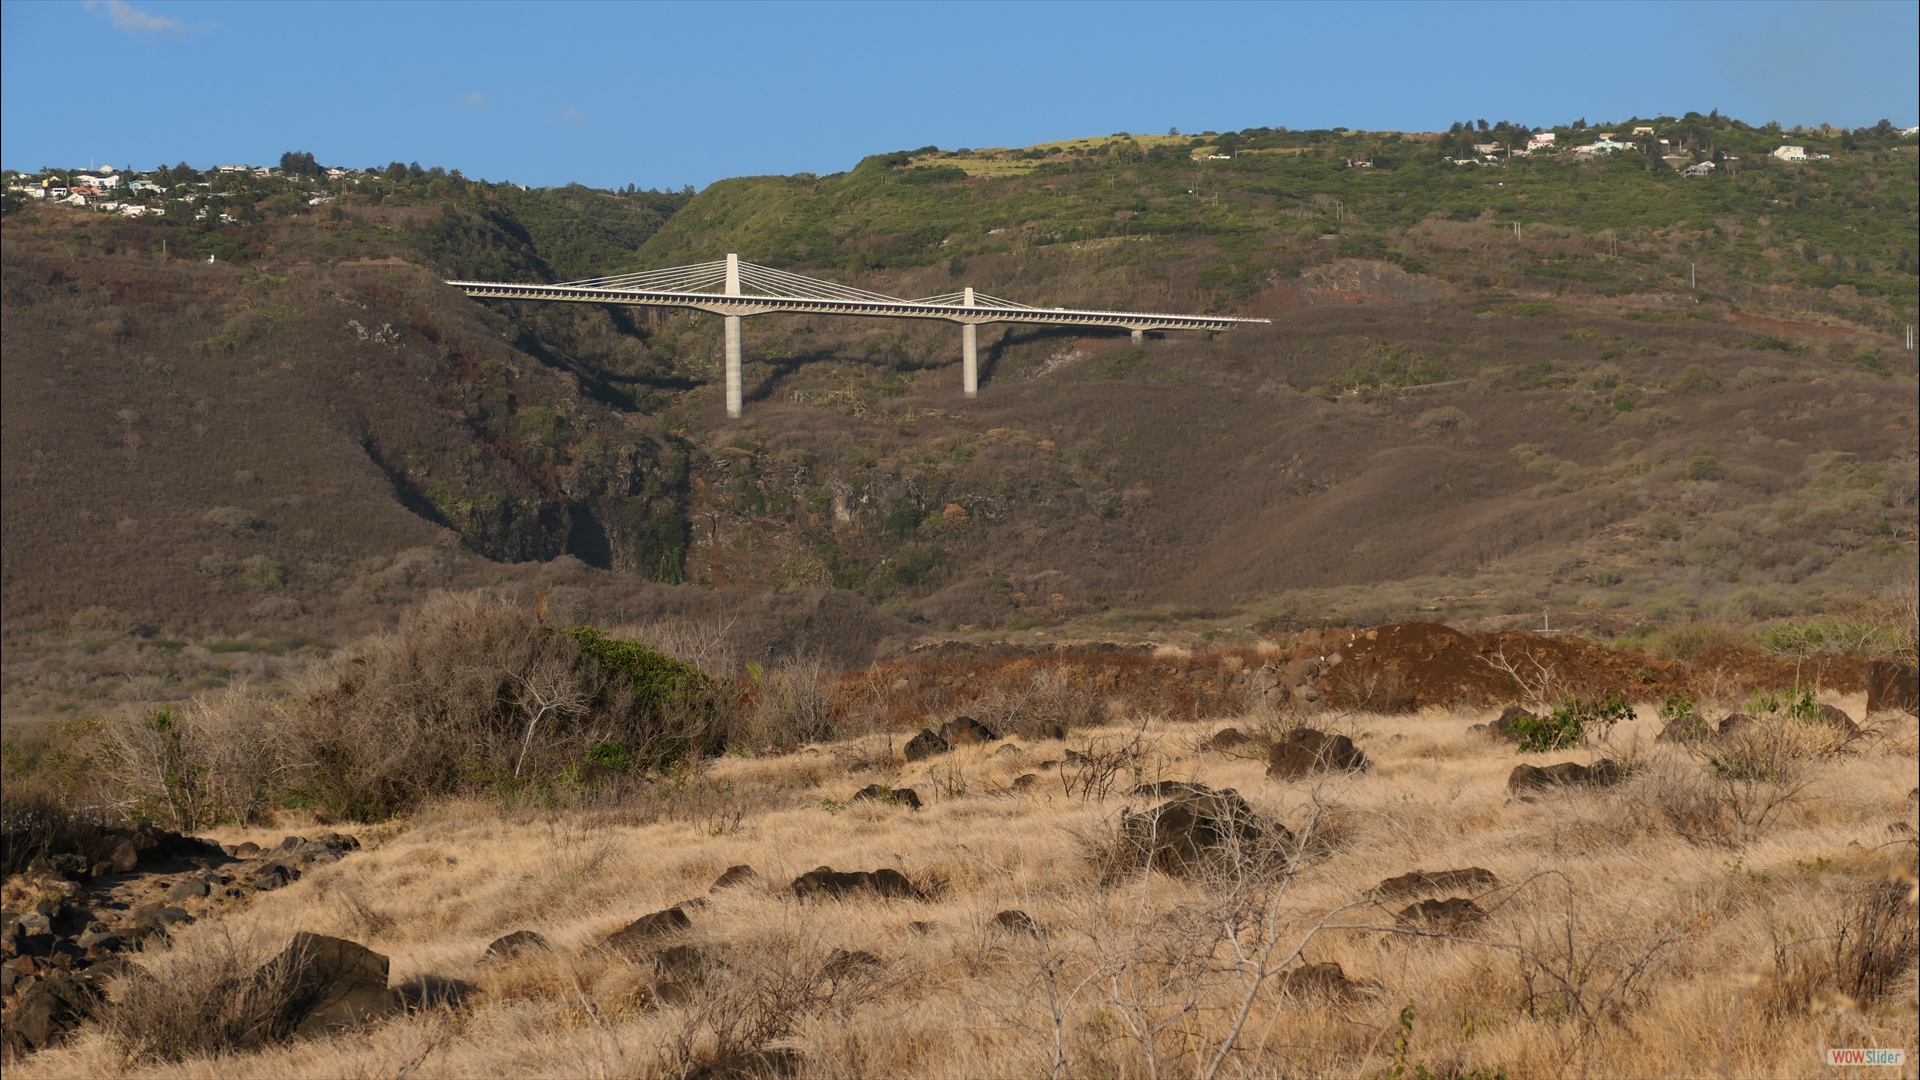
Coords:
pixel 662 95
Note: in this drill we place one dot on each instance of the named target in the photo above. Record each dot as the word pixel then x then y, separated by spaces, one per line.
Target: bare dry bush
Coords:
pixel 794 704
pixel 1844 954
pixel 761 992
pixel 1730 795
pixel 205 998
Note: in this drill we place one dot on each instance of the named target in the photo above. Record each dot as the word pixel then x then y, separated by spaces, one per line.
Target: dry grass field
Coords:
pixel 1667 926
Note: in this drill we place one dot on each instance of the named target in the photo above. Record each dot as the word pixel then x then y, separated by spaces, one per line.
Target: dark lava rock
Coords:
pixel 511 945
pixel 50 1008
pixel 1565 774
pixel 424 992
pixel 1838 720
pixel 246 851
pixel 1227 739
pixel 734 877
pixel 647 929
pixel 1025 781
pixel 1734 723
pixel 331 984
pixel 1446 916
pixel 925 745
pixel 1015 921
pixel 1440 881
pixel 1305 751
pixel 190 889
pixel 772 1063
pixel 271 876
pixel 684 963
pixel 964 730
pixel 1163 789
pixel 1184 832
pixel 826 883
pixel 1327 980
pixel 842 964
pixel 1034 729
pixel 881 793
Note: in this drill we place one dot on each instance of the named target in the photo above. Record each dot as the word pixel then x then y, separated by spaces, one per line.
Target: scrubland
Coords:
pixel 1662 927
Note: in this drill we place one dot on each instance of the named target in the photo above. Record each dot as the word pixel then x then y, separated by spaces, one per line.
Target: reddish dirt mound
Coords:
pixel 1406 666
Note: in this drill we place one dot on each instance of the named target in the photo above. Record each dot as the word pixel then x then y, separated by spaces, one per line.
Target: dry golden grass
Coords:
pixel 1615 947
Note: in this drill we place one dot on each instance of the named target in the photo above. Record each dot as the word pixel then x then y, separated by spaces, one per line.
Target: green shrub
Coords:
pixel 1683 721
pixel 1796 704
pixel 1568 723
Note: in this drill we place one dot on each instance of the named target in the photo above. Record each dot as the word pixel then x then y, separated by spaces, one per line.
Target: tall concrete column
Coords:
pixel 733 341
pixel 1139 337
pixel 969 351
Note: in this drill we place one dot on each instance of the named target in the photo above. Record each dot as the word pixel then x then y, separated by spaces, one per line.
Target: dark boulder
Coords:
pixel 1015 921
pixel 190 889
pixel 1025 781
pixel 1227 739
pixel 1441 916
pixel 1036 729
pixel 1322 980
pixel 1439 881
pixel 1893 686
pixel 1689 728
pixel 1191 829
pixel 1305 751
pixel 647 929
pixel 686 964
pixel 1565 774
pixel 735 877
pixel 50 1007
pixel 881 793
pixel 964 730
pixel 246 850
pixel 327 984
pixel 826 883
pixel 423 992
pixel 1166 789
pixel 512 945
pixel 772 1063
pixel 925 745
pixel 1734 724
pixel 842 964
pixel 1838 720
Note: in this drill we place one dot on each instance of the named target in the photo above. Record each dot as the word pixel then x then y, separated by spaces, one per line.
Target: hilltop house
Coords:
pixel 1642 131
pixel 1699 170
pixel 1791 153
pixel 1542 141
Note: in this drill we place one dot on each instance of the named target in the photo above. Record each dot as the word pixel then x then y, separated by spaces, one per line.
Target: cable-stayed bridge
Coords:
pixel 735 290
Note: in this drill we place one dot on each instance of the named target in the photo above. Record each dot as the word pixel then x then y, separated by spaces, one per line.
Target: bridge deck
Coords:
pixel 756 304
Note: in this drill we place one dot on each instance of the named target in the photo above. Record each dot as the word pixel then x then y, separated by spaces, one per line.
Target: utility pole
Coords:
pixel 1693 275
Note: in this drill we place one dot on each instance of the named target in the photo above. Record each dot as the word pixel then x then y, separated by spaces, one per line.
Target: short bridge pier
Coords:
pixel 736 290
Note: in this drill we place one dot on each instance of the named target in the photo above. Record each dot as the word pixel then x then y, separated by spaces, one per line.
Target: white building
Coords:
pixel 1697 171
pixel 1643 131
pixel 1544 140
pixel 1791 153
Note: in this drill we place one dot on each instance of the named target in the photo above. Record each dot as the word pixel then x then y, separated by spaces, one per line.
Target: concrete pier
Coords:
pixel 1139 337
pixel 733 341
pixel 969 351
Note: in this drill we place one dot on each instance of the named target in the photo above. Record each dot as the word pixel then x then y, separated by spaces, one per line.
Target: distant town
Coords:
pixel 225 193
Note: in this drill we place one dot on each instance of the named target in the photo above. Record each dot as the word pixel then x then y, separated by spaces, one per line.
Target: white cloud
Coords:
pixel 572 116
pixel 131 19
pixel 475 100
